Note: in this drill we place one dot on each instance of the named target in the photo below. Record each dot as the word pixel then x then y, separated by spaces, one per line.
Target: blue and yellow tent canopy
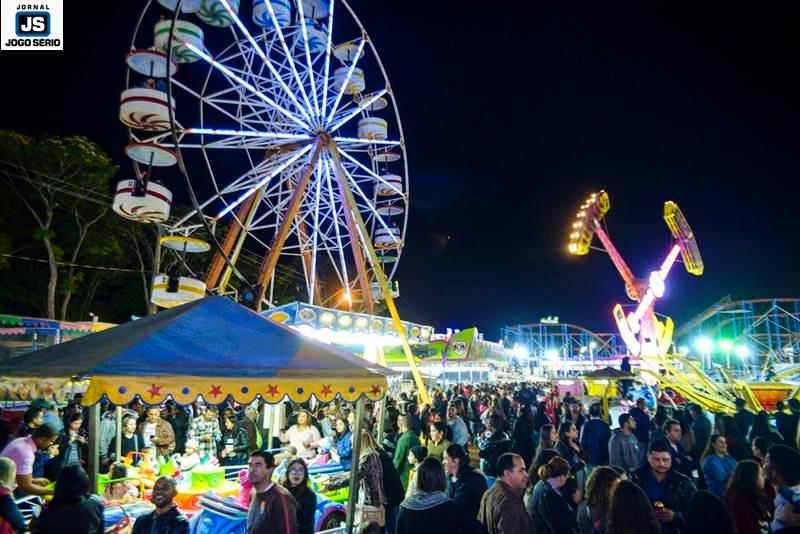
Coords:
pixel 211 348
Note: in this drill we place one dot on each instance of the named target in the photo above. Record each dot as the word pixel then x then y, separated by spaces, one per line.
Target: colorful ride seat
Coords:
pixel 281 8
pixel 356 83
pixel 387 239
pixel 373 128
pixel 148 205
pixel 214 13
pixel 185 34
pixel 145 109
pixel 390 185
pixel 189 290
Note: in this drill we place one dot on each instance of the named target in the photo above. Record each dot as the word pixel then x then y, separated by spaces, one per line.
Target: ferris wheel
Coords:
pixel 279 119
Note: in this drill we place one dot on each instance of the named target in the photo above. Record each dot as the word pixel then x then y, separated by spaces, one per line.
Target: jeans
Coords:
pixel 391 519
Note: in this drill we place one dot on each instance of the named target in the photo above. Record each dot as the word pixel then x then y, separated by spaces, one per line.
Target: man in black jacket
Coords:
pixel 166 518
pixel 666 486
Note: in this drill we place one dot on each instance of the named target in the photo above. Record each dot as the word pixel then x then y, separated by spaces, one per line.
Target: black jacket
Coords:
pixel 172 522
pixel 549 511
pixel 467 490
pixel 445 518
pixel 82 517
pixel 497 445
pixel 681 491
pixel 306 510
pixel 392 485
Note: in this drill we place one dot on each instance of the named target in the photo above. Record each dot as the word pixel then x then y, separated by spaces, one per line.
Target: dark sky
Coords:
pixel 513 115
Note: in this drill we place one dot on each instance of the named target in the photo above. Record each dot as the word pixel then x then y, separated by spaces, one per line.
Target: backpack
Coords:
pixel 392 485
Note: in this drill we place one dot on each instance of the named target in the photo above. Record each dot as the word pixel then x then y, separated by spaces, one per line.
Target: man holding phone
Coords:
pixel 668 490
pixel 157 432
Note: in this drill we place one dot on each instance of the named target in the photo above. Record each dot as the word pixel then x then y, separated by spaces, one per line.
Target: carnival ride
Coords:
pixel 280 144
pixel 651 339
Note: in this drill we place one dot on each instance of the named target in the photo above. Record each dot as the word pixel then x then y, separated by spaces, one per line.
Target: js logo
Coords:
pixel 33 24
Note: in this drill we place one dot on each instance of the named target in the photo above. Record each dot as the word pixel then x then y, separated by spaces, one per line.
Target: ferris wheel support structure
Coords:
pixel 361 228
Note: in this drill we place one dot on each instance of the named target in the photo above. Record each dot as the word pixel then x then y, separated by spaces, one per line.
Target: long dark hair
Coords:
pixel 297 491
pixel 457 452
pixel 744 483
pixel 599 486
pixel 707 513
pixel 630 511
pixel 562 431
pixel 544 439
pixel 544 456
pixel 710 448
pixel 336 436
pixel 72 485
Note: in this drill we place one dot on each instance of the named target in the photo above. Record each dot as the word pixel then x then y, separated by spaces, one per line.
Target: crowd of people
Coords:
pixel 497 459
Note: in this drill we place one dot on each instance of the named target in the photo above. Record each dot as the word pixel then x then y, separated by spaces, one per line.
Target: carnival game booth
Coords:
pixel 211 348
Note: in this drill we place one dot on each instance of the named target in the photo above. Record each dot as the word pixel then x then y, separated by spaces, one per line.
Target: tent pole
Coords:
pixel 118 446
pixel 94 444
pixel 353 498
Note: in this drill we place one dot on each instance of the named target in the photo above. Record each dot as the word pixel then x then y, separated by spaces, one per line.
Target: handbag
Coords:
pixel 368 513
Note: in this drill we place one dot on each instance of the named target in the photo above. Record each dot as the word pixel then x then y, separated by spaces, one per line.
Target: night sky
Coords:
pixel 513 115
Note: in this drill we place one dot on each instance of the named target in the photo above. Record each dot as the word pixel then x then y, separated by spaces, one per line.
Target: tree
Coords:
pixel 62 185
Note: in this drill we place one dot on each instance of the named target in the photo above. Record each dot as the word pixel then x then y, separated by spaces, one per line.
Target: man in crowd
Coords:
pixel 457 425
pixel 623 448
pixel 31 420
pixel 782 469
pixel 407 440
pixel 575 416
pixel 250 424
pixel 23 452
pixel 743 416
pixel 50 414
pixel 166 518
pixel 701 427
pixel 642 430
pixel 177 417
pixel 416 422
pixel 792 437
pixel 438 443
pixel 272 508
pixel 595 437
pixel 668 490
pixel 205 429
pixel 502 510
pixel 681 460
pixel 497 444
pixel 157 433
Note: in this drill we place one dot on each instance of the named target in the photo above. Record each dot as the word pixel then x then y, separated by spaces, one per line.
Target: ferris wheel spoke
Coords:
pixel 304 32
pixel 230 74
pixel 328 49
pixel 327 170
pixel 257 48
pixel 369 171
pixel 277 27
pixel 345 83
pixel 246 133
pixel 364 104
pixel 264 181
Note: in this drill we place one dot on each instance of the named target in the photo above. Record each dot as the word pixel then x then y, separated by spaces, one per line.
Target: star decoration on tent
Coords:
pixel 326 390
pixel 376 390
pixel 216 391
pixel 272 390
pixel 154 391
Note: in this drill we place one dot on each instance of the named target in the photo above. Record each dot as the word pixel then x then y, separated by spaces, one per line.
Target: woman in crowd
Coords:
pixel 657 425
pixel 122 489
pixel 629 512
pixel 428 509
pixel 750 507
pixel 707 513
pixel 569 448
pixel 718 465
pixel 540 418
pixel 303 436
pixel 598 496
pixel 548 437
pixel 9 512
pixel 759 448
pixel 761 429
pixel 549 511
pixel 73 510
pixel 370 473
pixel 131 442
pixel 738 447
pixel 73 441
pixel 415 457
pixel 522 437
pixel 465 485
pixel 235 443
pixel 343 443
pixel 296 481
